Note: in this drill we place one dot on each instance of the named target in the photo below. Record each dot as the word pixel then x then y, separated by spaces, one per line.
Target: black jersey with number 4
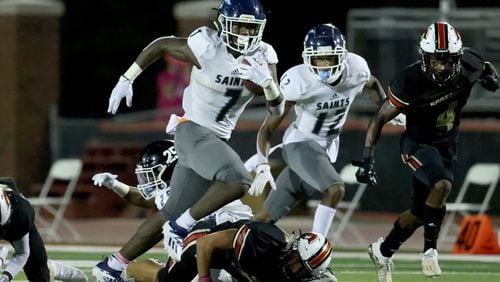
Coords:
pixel 432 110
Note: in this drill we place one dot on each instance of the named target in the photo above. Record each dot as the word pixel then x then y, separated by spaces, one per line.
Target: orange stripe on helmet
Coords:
pixel 324 254
pixel 442 36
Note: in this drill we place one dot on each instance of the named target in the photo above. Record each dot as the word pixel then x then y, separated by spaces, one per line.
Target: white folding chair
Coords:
pixel 346 207
pixel 62 171
pixel 479 176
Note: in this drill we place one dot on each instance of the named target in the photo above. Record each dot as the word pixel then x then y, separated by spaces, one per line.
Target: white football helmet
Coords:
pixel 440 50
pixel 232 15
pixel 325 40
pixel 315 251
pixel 5 207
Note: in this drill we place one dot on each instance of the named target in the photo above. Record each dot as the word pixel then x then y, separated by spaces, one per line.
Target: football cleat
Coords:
pixel 173 237
pixel 430 265
pixel 384 265
pixel 102 272
pixel 67 273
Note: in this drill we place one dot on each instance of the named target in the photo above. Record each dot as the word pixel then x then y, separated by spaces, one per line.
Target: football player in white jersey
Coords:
pixel 321 90
pixel 209 173
pixel 153 170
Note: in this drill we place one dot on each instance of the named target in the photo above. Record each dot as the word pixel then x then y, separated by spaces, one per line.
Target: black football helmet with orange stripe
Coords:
pixel 440 50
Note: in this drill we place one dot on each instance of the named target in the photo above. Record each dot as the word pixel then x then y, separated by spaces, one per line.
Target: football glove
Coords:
pixel 122 89
pixel 489 82
pixel 256 72
pixel 262 177
pixel 366 171
pixel 104 179
pixel 4 278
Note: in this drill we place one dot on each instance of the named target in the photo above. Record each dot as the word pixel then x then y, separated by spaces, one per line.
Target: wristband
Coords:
pixel 205 279
pixel 271 90
pixel 133 72
pixel 120 188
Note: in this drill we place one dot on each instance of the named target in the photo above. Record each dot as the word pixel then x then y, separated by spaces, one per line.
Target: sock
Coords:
pixel 433 217
pixel 394 240
pixel 323 218
pixel 115 263
pixel 186 221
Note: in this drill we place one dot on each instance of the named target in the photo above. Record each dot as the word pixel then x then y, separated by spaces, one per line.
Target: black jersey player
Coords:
pixel 18 228
pixel 249 251
pixel 432 93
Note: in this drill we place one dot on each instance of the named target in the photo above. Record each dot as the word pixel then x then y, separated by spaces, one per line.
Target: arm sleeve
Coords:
pixel 20 256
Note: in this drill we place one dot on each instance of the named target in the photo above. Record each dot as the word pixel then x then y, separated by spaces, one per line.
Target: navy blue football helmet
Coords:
pixel 234 14
pixel 155 167
pixel 325 41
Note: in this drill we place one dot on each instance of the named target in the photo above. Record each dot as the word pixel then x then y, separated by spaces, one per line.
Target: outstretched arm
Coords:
pixel 206 246
pixel 129 193
pixel 177 47
pixel 366 172
pixel 263 169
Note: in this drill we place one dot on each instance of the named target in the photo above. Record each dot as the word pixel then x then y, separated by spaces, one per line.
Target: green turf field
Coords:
pixel 347 269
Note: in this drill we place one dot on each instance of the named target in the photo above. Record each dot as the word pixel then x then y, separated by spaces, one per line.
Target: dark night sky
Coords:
pixel 101 38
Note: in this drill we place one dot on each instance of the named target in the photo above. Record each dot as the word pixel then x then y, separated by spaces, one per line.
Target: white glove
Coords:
pixel 4 278
pixel 262 177
pixel 123 88
pixel 104 179
pixel 399 120
pixel 224 276
pixel 256 72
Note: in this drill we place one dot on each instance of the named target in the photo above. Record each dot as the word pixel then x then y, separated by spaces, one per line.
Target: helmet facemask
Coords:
pixel 230 29
pixel 441 68
pixel 150 180
pixel 326 73
pixel 325 53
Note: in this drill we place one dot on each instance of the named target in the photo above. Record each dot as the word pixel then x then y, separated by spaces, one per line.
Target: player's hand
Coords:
pixel 398 120
pixel 4 278
pixel 104 179
pixel 366 171
pixel 256 72
pixel 123 88
pixel 489 82
pixel 262 177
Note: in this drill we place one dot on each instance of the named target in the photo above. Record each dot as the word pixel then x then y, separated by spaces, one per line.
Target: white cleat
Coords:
pixel 172 242
pixel 384 265
pixel 430 265
pixel 67 273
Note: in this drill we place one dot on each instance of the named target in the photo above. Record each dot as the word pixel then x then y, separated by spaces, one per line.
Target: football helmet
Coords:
pixel 312 251
pixel 5 207
pixel 440 50
pixel 326 42
pixel 232 16
pixel 155 167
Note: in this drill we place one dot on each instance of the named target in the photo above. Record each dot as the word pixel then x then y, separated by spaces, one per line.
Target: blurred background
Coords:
pixel 59 61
